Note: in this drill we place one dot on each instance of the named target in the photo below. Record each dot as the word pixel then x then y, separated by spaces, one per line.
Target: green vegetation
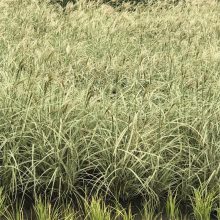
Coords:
pixel 171 207
pixel 45 211
pixel 2 202
pixel 203 204
pixel 97 210
pixel 121 104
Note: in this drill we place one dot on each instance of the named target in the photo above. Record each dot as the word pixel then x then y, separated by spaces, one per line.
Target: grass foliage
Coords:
pixel 122 103
pixel 203 204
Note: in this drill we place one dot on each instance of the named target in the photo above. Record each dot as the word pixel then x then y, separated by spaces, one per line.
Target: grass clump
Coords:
pixel 125 104
pixel 97 210
pixel 172 209
pixel 44 210
pixel 149 213
pixel 203 204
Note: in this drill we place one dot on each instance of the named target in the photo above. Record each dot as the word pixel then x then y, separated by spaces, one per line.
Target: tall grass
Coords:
pixel 125 104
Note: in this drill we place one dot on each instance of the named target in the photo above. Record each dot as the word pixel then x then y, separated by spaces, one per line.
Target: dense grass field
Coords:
pixel 109 107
